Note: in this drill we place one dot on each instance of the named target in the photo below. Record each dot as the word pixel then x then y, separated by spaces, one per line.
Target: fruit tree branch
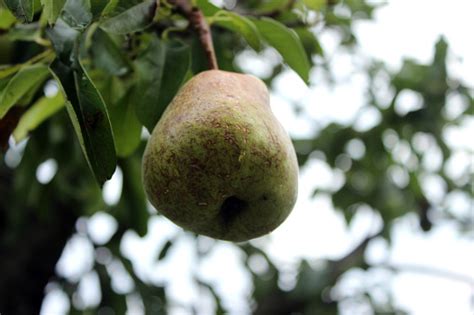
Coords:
pixel 198 22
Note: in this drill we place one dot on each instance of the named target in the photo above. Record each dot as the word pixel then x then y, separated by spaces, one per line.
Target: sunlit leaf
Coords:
pixel 207 7
pixel 44 108
pixel 239 24
pixel 52 9
pixel 25 80
pixel 7 19
pixel 287 43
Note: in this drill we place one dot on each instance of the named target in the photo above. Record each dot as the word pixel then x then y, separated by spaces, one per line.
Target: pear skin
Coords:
pixel 218 163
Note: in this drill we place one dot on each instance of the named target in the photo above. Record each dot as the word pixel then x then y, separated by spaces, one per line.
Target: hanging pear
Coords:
pixel 218 163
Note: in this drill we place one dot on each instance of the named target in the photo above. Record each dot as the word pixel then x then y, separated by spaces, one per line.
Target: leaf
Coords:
pixel 7 19
pixel 89 117
pixel 62 37
pixel 126 126
pixel 316 5
pixel 287 43
pixel 44 108
pixel 25 80
pixel 23 32
pixel 52 9
pixel 207 7
pixel 22 9
pixel 106 55
pixel 6 71
pixel 77 14
pixel 161 71
pixel 310 42
pixel 164 250
pixel 97 6
pixel 239 24
pixel 132 209
pixel 135 19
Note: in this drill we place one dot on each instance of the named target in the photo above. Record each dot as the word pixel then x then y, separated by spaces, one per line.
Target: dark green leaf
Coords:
pixel 89 117
pixel 52 9
pixel 135 19
pixel 62 37
pixel 161 71
pixel 44 108
pixel 22 9
pixel 127 129
pixel 239 24
pixel 97 6
pixel 106 55
pixel 26 79
pixel 165 249
pixel 77 14
pixel 132 209
pixel 287 43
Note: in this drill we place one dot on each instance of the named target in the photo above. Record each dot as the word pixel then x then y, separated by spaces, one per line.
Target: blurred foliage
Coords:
pixel 119 63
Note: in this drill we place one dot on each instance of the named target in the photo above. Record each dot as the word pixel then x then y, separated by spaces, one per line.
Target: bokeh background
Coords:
pixel 384 222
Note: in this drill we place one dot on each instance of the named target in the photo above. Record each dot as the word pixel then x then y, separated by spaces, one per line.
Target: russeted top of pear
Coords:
pixel 218 162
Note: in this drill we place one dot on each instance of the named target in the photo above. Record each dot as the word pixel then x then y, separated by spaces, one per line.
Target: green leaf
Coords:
pixel 52 9
pixel 132 211
pixel 26 79
pixel 97 6
pixel 6 71
pixel 106 55
pixel 89 117
pixel 239 24
pixel 22 9
pixel 287 43
pixel 316 5
pixel 310 42
pixel 77 14
pixel 7 19
pixel 207 7
pixel 161 71
pixel 127 129
pixel 62 37
pixel 164 250
pixel 135 19
pixel 23 32
pixel 44 108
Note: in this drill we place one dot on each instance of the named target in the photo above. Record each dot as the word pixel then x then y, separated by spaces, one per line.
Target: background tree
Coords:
pixel 117 65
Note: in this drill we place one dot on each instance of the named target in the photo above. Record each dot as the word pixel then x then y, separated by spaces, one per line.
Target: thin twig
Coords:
pixel 426 270
pixel 198 22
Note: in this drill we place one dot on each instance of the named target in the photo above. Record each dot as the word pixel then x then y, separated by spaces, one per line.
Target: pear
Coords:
pixel 218 163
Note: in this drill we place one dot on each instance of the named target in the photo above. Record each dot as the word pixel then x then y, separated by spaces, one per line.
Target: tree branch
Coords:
pixel 426 270
pixel 198 22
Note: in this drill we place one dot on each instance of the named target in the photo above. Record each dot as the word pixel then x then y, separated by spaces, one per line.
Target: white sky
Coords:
pixel 314 230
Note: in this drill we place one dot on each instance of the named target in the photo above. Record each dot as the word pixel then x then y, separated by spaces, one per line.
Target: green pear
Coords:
pixel 218 163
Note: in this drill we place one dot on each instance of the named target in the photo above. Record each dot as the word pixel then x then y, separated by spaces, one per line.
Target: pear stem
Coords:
pixel 198 22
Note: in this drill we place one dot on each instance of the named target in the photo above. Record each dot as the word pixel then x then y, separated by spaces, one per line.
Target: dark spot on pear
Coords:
pixel 231 208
